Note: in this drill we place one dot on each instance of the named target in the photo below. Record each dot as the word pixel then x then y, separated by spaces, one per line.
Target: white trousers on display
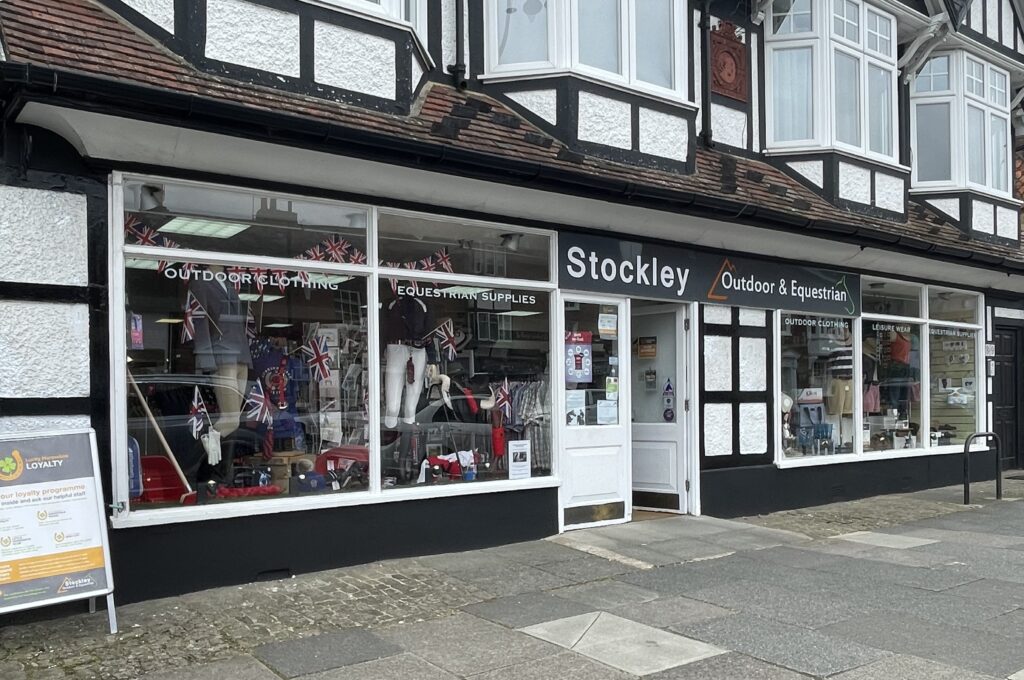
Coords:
pixel 396 358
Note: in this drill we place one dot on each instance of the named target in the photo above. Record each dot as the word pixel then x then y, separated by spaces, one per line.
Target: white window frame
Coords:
pixel 825 44
pixel 563 50
pixel 925 323
pixel 390 12
pixel 959 99
pixel 123 516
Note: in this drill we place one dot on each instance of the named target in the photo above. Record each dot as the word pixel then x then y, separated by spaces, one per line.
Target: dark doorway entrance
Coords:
pixel 1008 394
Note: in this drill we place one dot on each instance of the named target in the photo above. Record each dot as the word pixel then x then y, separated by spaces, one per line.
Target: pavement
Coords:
pixel 894 587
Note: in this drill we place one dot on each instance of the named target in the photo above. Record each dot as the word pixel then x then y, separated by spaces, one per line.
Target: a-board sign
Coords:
pixel 53 536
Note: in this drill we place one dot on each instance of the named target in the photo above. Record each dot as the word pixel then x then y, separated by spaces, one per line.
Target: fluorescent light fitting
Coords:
pixel 142 264
pixel 465 290
pixel 518 313
pixel 169 320
pixel 326 278
pixel 255 297
pixel 193 226
pixel 279 325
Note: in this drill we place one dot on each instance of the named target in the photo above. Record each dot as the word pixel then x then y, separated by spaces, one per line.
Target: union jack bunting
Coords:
pixel 257 406
pixel 504 400
pixel 427 264
pixel 131 224
pixel 443 260
pixel 259 277
pixel 146 236
pixel 282 278
pixel 198 415
pixel 315 254
pixel 446 332
pixel 166 243
pixel 193 310
pixel 357 257
pixel 317 357
pixel 303 276
pixel 337 248
pixel 413 285
pixel 235 275
pixel 393 282
pixel 187 268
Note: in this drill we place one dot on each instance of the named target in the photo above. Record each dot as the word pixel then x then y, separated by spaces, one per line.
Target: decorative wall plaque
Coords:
pixel 729 63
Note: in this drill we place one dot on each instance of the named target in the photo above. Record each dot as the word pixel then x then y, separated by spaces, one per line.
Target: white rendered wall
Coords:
pixel 252 35
pixel 352 60
pixel 604 121
pixel 45 350
pixel 43 237
pixel 983 217
pixel 753 429
pixel 160 12
pixel 1007 223
pixel 950 206
pixel 889 193
pixel 717 429
pixel 729 126
pixel 814 171
pixel 854 183
pixel 25 424
pixel 665 135
pixel 542 103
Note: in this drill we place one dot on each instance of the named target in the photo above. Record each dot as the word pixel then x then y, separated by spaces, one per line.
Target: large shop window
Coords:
pixel 637 43
pixel 250 350
pixel 848 43
pixel 907 381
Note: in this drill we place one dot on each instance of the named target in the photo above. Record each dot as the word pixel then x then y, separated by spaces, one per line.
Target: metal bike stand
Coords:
pixel 967 465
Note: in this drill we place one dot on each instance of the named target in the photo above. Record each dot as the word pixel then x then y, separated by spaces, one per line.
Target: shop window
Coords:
pixel 948 305
pixel 954 382
pixel 452 247
pixel 591 365
pixel 892 299
pixel 634 43
pixel 818 385
pixel 465 371
pixel 892 385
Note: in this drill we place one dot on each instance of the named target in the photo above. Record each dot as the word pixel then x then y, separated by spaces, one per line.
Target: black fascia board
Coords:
pixel 21 83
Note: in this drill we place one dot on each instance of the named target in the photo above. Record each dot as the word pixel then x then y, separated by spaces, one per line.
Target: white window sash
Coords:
pixel 817 93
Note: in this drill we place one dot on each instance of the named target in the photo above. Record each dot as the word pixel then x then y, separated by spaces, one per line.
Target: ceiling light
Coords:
pixel 518 313
pixel 193 226
pixel 169 320
pixel 278 325
pixel 142 264
pixel 465 290
pixel 327 278
pixel 255 297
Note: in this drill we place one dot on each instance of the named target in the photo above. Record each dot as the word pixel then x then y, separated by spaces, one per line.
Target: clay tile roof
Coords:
pixel 82 36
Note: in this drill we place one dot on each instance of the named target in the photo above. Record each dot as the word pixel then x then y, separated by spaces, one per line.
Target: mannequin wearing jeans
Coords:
pixel 406 325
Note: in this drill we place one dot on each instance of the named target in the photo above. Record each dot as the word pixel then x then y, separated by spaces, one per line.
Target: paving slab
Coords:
pixel 567 665
pixel 510 579
pixel 799 649
pixel 670 611
pixel 731 666
pixel 930 578
pixel 903 667
pixel 303 656
pixel 627 645
pixel 585 568
pixel 400 667
pixel 788 605
pixel 238 668
pixel 959 646
pixel 536 552
pixel 465 645
pixel 988 540
pixel 606 594
pixel 526 609
pixel 673 579
pixel 881 540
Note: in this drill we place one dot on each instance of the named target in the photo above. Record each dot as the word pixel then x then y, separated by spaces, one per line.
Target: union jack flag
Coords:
pixel 165 243
pixel 357 257
pixel 193 310
pixel 393 282
pixel 259 277
pixel 336 248
pixel 303 276
pixel 315 254
pixel 444 260
pixel 504 400
pixel 427 263
pixel 257 406
pixel 235 275
pixel 131 224
pixel 188 268
pixel 198 414
pixel 446 332
pixel 414 287
pixel 146 236
pixel 318 358
pixel 282 278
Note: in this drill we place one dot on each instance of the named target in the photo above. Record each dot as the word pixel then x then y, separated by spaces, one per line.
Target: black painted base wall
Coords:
pixel 760 489
pixel 172 559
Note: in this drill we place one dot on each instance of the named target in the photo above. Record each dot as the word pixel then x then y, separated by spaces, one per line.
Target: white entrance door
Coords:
pixel 595 412
pixel 658 382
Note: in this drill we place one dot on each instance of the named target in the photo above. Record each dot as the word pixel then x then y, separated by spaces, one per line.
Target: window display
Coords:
pixel 892 385
pixel 818 386
pixel 457 399
pixel 954 382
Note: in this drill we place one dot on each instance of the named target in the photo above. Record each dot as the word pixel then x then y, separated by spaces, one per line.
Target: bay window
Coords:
pixel 960 102
pixel 844 50
pixel 634 43
pixel 413 12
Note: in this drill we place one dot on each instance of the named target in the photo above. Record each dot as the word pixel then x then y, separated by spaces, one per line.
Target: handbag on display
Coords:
pixel 811 395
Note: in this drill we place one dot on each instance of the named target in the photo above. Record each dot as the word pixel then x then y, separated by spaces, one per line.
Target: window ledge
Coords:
pixel 379 17
pixel 202 513
pixel 539 74
pixel 947 189
pixel 809 149
pixel 813 461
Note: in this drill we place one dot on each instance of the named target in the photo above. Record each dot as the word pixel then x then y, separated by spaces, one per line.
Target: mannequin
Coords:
pixel 840 372
pixel 222 348
pixel 405 327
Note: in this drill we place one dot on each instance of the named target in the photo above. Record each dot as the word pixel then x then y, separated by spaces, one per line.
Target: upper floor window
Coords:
pixel 413 12
pixel 832 73
pixel 634 43
pixel 961 117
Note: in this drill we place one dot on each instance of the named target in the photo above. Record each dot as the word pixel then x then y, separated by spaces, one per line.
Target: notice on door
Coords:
pixel 53 541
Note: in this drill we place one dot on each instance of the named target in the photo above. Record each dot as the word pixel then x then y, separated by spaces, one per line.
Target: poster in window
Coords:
pixel 647 347
pixel 608 326
pixel 607 412
pixel 579 357
pixel 576 407
pixel 519 459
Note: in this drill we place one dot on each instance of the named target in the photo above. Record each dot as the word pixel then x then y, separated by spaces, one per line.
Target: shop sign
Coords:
pixel 53 539
pixel 608 265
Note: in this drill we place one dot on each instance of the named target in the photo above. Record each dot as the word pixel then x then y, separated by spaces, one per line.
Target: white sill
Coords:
pixel 813 148
pixel 949 189
pixel 538 73
pixel 273 506
pixel 380 17
pixel 812 461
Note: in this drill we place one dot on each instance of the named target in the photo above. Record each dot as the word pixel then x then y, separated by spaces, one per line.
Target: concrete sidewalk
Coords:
pixel 896 587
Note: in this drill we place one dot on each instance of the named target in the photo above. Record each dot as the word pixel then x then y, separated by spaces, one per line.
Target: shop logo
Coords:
pixel 70 584
pixel 11 467
pixel 41 515
pixel 6 541
pixel 713 294
pixel 59 537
